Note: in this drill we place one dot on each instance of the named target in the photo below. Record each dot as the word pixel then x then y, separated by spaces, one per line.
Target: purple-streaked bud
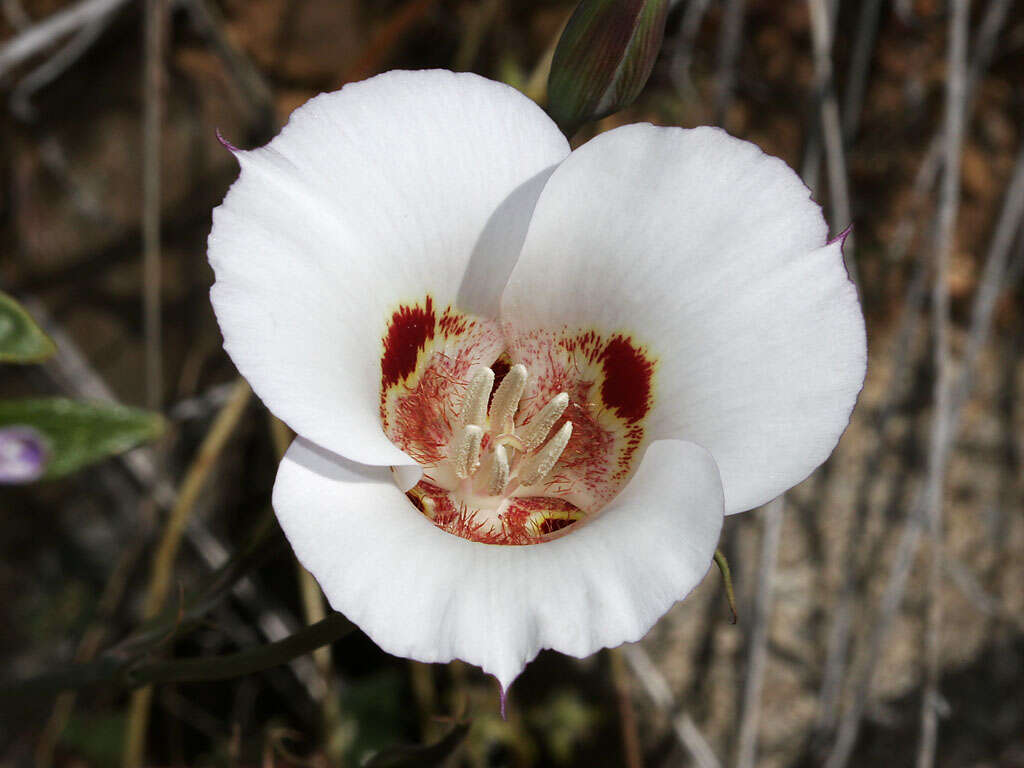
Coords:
pixel 603 59
pixel 23 454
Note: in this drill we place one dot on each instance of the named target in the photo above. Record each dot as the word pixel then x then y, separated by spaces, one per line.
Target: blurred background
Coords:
pixel 859 640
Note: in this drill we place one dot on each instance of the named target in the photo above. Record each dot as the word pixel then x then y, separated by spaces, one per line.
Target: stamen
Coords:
pixel 542 423
pixel 536 467
pixel 474 403
pixel 506 399
pixel 466 459
pixel 499 471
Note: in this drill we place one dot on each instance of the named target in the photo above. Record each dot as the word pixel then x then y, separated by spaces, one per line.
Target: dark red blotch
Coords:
pixel 409 330
pixel 626 388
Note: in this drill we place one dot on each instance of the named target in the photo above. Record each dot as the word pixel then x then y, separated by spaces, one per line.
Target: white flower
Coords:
pixel 674 339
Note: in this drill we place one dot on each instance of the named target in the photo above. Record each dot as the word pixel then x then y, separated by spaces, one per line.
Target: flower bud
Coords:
pixel 603 59
pixel 23 455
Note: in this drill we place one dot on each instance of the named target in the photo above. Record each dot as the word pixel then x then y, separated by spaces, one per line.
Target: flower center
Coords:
pixel 489 487
pixel 519 435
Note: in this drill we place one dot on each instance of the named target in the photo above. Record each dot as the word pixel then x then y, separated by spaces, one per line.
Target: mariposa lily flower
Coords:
pixel 527 382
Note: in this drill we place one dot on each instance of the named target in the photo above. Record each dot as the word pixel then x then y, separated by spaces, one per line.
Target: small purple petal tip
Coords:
pixel 225 143
pixel 23 455
pixel 841 237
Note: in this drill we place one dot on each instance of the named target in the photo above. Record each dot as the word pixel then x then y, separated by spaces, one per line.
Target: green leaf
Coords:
pixel 76 434
pixel 420 756
pixel 603 59
pixel 21 340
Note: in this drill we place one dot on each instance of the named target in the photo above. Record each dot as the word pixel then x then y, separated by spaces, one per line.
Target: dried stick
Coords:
pixel 728 50
pixel 860 63
pixel 42 35
pixel 984 45
pixel 153 97
pixel 657 688
pixel 992 280
pixel 315 610
pixel 746 753
pixel 73 374
pixel 831 128
pixel 682 55
pixel 842 615
pixel 195 479
pixel 1009 221
pixel 54 67
pixel 207 20
pixel 632 755
pixel 940 443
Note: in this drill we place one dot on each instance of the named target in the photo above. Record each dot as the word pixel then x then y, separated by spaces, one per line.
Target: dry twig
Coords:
pixel 153 98
pixel 657 688
pixel 51 30
pixel 956 108
pixel 728 51
pixel 746 752
pixel 163 559
pixel 831 128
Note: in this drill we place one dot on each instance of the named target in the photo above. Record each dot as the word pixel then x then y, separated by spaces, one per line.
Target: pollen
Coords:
pixel 537 430
pixel 537 466
pixel 507 397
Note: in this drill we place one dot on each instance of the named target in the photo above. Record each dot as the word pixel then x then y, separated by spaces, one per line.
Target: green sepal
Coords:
pixel 21 339
pixel 77 433
pixel 603 59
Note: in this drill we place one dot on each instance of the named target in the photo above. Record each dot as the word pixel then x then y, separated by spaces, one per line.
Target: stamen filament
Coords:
pixel 538 428
pixel 499 471
pixel 536 467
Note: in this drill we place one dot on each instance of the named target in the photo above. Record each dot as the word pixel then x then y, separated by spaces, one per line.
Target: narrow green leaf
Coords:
pixel 419 756
pixel 603 59
pixel 21 340
pixel 73 434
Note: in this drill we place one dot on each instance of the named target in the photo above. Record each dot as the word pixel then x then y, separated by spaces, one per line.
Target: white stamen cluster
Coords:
pixel 513 455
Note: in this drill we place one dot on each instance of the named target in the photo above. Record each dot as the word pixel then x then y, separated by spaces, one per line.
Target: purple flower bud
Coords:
pixel 603 59
pixel 23 455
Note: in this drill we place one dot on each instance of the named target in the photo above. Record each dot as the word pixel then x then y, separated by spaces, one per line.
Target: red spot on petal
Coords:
pixel 626 388
pixel 409 330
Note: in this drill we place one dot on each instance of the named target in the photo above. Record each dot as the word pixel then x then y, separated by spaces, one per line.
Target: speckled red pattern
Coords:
pixel 427 355
pixel 610 381
pixel 425 361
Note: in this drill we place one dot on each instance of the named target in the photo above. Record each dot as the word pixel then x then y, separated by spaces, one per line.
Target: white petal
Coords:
pixel 407 184
pixel 710 253
pixel 426 594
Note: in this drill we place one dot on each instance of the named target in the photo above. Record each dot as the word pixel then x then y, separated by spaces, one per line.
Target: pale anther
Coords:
pixel 474 403
pixel 499 473
pixel 506 398
pixel 466 459
pixel 539 426
pixel 536 467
